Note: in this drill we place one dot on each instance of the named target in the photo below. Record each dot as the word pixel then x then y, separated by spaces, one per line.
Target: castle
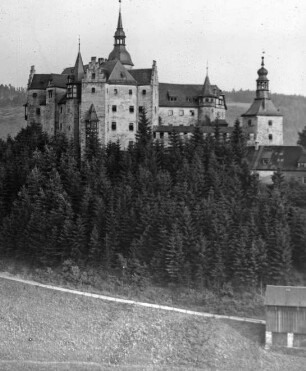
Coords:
pixel 105 98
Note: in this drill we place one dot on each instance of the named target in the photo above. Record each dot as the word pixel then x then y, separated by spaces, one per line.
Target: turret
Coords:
pixel 119 52
pixel 262 87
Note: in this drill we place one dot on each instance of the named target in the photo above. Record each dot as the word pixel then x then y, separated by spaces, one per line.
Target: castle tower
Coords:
pixel 211 103
pixel 119 52
pixel 262 121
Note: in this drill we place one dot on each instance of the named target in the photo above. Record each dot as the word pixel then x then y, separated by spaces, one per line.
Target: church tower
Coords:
pixel 262 121
pixel 119 52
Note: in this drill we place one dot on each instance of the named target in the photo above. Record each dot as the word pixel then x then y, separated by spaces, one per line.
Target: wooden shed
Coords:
pixel 286 316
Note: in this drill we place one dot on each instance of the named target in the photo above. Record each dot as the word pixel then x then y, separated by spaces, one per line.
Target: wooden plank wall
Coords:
pixel 286 319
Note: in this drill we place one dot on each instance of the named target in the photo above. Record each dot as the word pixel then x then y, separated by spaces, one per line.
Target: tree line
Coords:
pixel 192 213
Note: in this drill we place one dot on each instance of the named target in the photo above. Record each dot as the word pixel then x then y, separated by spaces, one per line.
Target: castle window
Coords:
pixel 69 92
pixel 93 90
pixel 192 112
pixel 270 122
pixel 61 126
pixel 181 112
pixel 114 108
pixel 161 135
pixel 206 100
pixel 250 122
pixel 170 112
pixel 115 91
pixel 50 93
pixel 144 92
pixel 114 126
pixel 34 95
pixel 140 109
pixel 131 127
pixel 61 109
pixel 130 91
pixel 155 109
pixel 154 135
pixel 131 109
pixel 38 111
pixel 69 127
pixel 91 131
pixel 93 76
pixel 270 137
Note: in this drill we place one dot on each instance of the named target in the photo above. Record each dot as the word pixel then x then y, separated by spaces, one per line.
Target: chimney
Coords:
pixel 32 73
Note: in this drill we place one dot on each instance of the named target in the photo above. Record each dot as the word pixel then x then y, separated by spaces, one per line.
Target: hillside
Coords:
pixel 11 121
pixel 49 326
pixel 293 107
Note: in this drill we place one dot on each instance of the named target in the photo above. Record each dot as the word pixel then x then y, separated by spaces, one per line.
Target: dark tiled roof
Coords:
pixel 41 81
pixel 275 157
pixel 288 296
pixel 68 71
pixel 207 88
pixel 186 95
pixel 142 76
pixel 120 75
pixel 190 129
pixel 262 107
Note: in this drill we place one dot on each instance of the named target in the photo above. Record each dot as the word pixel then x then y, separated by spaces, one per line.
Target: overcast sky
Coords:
pixel 180 35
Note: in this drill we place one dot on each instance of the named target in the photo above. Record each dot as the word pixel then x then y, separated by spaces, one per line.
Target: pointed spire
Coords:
pixel 79 66
pixel 207 89
pixel 119 26
pixel 119 52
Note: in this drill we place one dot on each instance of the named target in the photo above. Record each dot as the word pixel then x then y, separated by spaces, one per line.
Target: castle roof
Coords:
pixel 142 76
pixel 120 75
pixel 262 107
pixel 207 90
pixel 271 158
pixel 41 81
pixel 79 70
pixel 184 95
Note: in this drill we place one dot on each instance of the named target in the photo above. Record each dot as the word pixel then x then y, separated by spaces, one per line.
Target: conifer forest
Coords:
pixel 190 213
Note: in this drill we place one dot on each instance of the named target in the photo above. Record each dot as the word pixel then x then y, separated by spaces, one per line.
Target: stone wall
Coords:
pixel 267 130
pixel 34 99
pixel 122 124
pixel 177 116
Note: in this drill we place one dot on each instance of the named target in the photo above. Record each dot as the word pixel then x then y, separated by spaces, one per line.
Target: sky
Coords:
pixel 182 36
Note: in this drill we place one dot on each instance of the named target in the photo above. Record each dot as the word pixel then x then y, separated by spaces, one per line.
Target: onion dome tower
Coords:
pixel 262 121
pixel 119 52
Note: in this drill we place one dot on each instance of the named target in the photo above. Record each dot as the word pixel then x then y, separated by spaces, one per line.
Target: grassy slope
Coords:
pixel 63 327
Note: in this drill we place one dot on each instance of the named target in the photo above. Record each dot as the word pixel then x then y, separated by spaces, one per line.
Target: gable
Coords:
pixel 120 75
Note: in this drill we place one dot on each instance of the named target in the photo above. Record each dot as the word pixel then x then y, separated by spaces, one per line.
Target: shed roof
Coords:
pixel 287 296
